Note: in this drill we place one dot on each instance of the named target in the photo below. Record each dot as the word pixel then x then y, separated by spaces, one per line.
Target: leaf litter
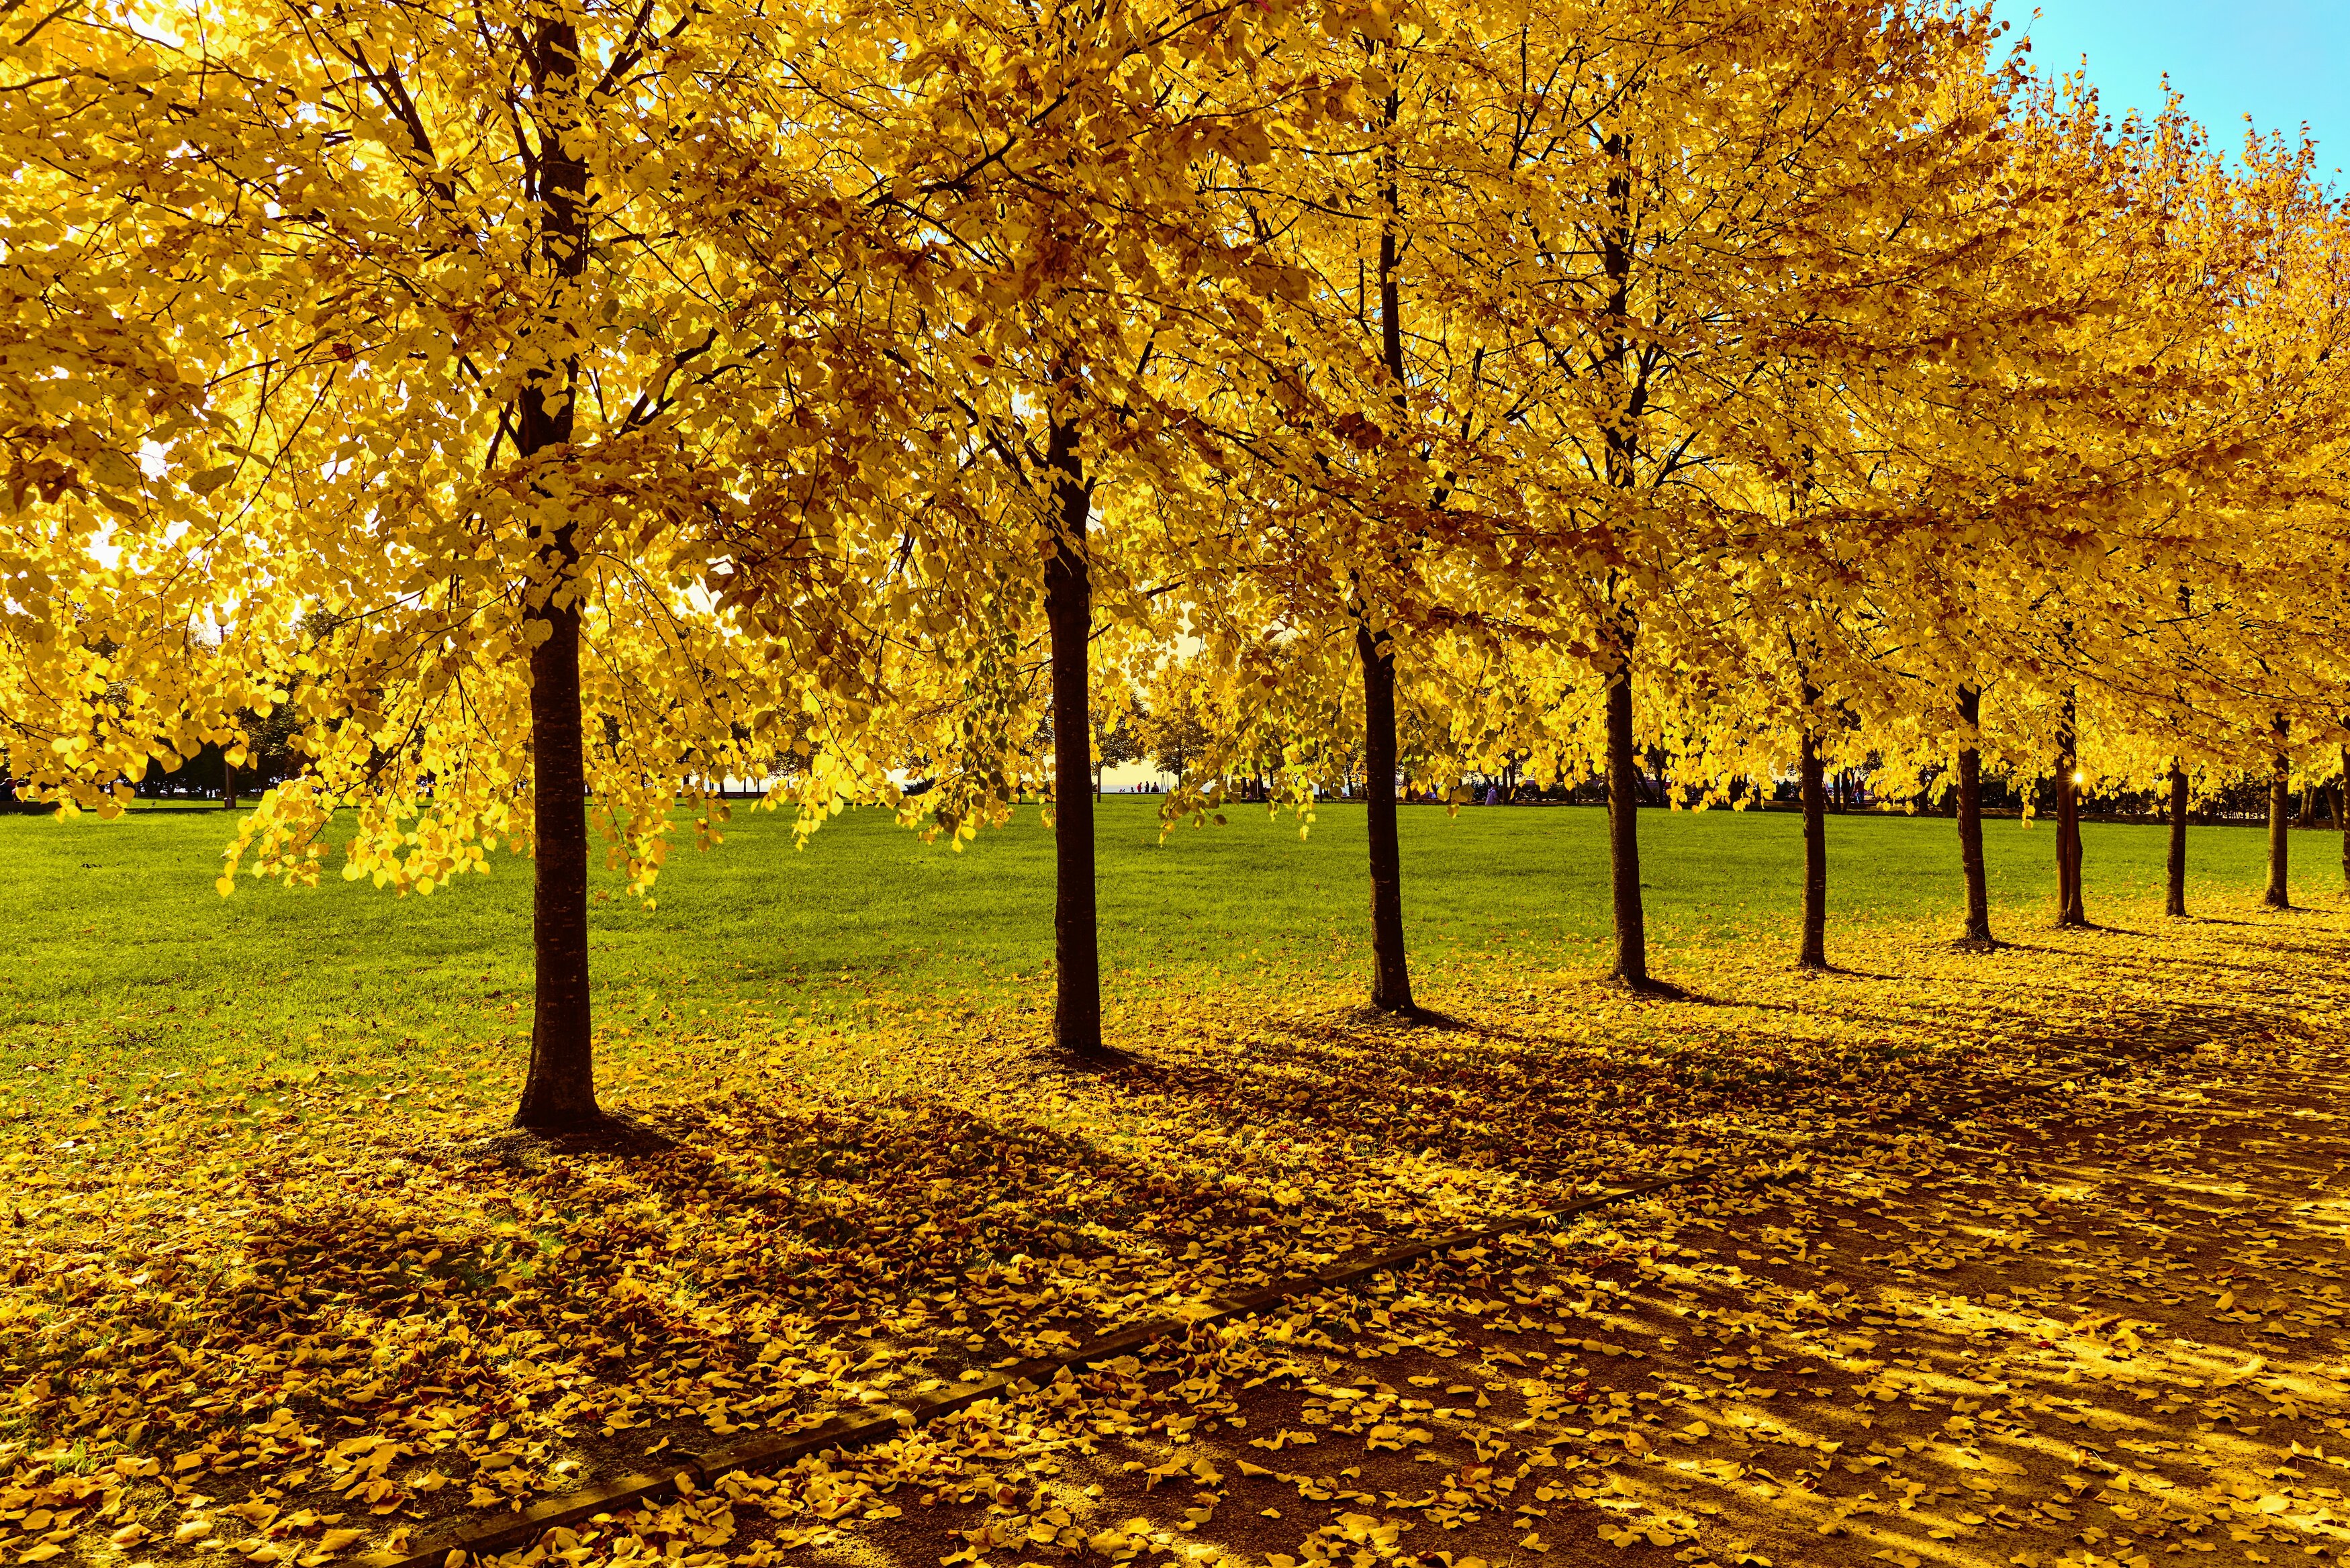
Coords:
pixel 300 1323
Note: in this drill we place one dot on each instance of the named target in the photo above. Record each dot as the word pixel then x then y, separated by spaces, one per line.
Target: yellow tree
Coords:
pixel 1046 167
pixel 546 425
pixel 1342 610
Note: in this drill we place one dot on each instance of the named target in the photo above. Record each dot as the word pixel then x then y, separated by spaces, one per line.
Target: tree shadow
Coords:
pixel 1412 1017
pixel 1103 1060
pixel 1650 988
pixel 533 1148
pixel 1839 971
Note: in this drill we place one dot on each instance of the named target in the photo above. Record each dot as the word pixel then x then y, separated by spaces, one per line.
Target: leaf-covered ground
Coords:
pixel 324 1315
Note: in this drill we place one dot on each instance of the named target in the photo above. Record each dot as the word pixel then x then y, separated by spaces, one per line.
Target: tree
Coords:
pixel 1117 743
pixel 1047 168
pixel 531 322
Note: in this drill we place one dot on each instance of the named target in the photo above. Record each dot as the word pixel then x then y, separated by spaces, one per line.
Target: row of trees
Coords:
pixel 549 400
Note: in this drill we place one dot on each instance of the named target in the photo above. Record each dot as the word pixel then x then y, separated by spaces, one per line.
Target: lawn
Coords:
pixel 129 955
pixel 272 1281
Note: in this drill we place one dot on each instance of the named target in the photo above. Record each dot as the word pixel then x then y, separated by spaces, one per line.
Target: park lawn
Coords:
pixel 254 1281
pixel 128 959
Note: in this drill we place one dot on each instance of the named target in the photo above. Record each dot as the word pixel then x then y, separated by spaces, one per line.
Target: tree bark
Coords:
pixel 228 782
pixel 2174 897
pixel 2342 814
pixel 1970 809
pixel 1813 953
pixel 1068 616
pixel 1390 966
pixel 560 1090
pixel 2070 910
pixel 1624 833
pixel 1626 393
pixel 2279 892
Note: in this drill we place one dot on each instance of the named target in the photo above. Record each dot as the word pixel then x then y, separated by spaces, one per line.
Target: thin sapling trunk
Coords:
pixel 1390 968
pixel 1969 810
pixel 1624 835
pixel 2174 895
pixel 1813 953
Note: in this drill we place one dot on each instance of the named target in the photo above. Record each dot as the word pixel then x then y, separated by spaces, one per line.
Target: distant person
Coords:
pixel 1492 795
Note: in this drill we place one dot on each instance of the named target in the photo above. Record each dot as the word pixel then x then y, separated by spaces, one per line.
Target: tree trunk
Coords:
pixel 2279 893
pixel 2174 897
pixel 1970 809
pixel 228 782
pixel 560 1088
pixel 1624 833
pixel 2070 909
pixel 1813 953
pixel 1623 386
pixel 1390 966
pixel 1068 615
pixel 2342 814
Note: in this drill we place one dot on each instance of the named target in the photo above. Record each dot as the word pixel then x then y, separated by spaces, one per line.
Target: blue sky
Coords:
pixel 2280 61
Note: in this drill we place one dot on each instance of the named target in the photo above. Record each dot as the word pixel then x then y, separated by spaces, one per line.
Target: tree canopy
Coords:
pixel 548 413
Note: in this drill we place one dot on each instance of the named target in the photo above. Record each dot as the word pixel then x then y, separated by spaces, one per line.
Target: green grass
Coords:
pixel 124 951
